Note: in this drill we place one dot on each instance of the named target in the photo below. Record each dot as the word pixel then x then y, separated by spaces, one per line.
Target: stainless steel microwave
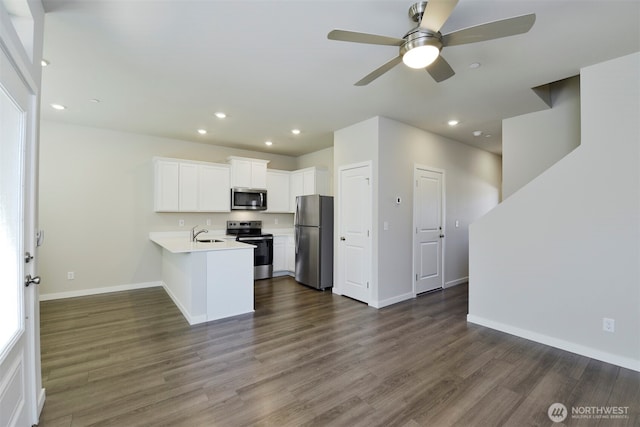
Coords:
pixel 248 199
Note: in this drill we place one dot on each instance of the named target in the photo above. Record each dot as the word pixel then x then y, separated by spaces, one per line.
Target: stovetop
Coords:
pixel 246 229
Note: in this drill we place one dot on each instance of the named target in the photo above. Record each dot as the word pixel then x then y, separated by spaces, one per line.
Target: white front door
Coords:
pixel 354 231
pixel 428 227
pixel 18 366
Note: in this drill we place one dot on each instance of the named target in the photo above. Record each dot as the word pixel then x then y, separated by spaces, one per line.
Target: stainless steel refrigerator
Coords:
pixel 314 241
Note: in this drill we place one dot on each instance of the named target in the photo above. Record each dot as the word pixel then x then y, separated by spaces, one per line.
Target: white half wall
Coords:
pixel 563 252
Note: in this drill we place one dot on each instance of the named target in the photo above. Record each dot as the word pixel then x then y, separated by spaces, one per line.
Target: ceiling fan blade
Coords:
pixel 491 30
pixel 436 14
pixel 379 71
pixel 440 70
pixel 352 36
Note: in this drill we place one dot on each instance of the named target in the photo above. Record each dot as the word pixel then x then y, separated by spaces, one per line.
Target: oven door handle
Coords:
pixel 250 239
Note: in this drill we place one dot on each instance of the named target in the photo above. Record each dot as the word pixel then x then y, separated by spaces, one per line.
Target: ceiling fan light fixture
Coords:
pixel 420 56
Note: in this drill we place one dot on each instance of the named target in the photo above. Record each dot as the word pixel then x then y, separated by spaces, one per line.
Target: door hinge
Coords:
pixel 367 233
pixel 367 285
pixel 416 277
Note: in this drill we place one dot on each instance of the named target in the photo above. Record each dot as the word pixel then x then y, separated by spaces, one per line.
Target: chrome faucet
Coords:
pixel 195 234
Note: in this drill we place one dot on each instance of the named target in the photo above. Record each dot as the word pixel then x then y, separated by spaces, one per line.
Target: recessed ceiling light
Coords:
pixel 220 115
pixel 202 131
pixel 477 132
pixel 58 106
pixel 95 100
pixel 295 131
pixel 474 65
pixel 44 62
pixel 453 122
pixel 268 143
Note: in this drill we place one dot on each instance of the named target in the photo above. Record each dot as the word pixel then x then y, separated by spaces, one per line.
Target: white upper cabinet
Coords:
pixel 277 191
pixel 248 173
pixel 307 181
pixel 189 186
pixel 213 188
pixel 166 185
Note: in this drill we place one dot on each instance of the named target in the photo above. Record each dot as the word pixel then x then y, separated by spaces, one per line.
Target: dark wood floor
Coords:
pixel 308 358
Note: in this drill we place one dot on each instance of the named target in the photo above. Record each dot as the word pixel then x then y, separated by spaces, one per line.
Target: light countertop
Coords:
pixel 182 244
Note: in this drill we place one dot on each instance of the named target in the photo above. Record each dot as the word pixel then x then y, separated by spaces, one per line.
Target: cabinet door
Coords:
pixel 279 253
pixel 309 182
pixel 258 175
pixel 291 254
pixel 277 191
pixel 296 189
pixel 188 187
pixel 166 185
pixel 241 173
pixel 213 188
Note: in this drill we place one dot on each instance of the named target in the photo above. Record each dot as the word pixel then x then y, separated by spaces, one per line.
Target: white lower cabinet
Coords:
pixel 284 257
pixel 279 253
pixel 291 255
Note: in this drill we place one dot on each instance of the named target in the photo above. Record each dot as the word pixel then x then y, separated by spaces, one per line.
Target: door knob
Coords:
pixel 31 280
pixel 441 236
pixel 28 257
pixel 342 238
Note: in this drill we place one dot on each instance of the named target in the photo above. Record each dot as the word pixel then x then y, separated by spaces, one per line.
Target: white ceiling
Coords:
pixel 162 67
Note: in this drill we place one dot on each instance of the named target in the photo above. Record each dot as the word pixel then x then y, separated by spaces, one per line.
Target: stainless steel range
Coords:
pixel 251 232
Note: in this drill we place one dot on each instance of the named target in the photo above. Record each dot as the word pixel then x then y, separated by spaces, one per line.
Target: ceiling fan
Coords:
pixel 421 46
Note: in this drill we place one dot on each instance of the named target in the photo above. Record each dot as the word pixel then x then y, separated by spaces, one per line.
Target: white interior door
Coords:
pixel 354 240
pixel 429 226
pixel 17 321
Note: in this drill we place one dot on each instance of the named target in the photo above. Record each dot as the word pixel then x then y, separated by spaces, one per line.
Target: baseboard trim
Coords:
pixel 97 291
pixel 582 350
pixel 41 398
pixel 192 320
pixel 281 273
pixel 456 282
pixel 392 300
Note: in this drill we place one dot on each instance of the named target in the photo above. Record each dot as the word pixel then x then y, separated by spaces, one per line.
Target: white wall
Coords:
pixel 533 142
pixel 473 182
pixel 96 206
pixel 356 144
pixel 563 252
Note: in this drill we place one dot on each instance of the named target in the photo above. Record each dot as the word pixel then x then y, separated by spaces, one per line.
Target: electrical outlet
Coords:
pixel 71 275
pixel 181 223
pixel 608 325
pixel 208 221
pixel 276 221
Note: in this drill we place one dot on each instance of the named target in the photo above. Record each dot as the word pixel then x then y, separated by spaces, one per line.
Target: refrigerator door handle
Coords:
pixel 296 237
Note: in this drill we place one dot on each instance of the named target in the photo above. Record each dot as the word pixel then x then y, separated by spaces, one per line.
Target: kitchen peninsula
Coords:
pixel 206 280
